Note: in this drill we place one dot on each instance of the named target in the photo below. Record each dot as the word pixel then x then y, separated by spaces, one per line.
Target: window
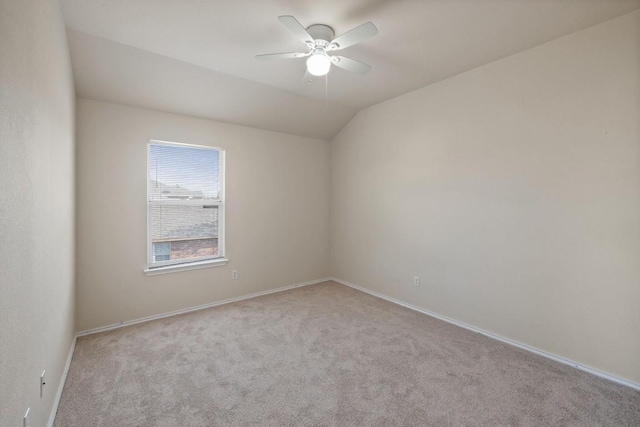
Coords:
pixel 185 207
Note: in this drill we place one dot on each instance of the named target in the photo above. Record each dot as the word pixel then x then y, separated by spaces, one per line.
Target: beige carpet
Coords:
pixel 325 355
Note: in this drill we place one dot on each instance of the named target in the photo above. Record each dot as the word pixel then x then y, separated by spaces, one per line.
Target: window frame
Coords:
pixel 196 262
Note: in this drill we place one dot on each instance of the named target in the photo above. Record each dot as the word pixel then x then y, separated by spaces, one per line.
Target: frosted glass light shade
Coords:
pixel 318 64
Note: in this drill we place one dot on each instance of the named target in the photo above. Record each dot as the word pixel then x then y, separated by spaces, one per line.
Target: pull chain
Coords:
pixel 326 91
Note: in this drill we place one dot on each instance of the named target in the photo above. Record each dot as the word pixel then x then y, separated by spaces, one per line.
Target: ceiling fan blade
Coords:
pixel 357 35
pixel 297 29
pixel 350 64
pixel 269 56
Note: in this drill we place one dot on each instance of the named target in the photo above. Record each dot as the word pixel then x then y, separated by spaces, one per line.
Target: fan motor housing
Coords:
pixel 321 32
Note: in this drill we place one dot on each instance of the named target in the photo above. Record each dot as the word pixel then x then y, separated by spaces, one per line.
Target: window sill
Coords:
pixel 218 262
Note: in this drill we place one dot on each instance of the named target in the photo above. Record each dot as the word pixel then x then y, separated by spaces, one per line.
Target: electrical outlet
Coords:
pixel 416 280
pixel 25 420
pixel 42 383
pixel 234 274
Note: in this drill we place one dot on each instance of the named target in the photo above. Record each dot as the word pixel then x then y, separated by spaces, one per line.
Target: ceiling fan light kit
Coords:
pixel 320 40
pixel 318 64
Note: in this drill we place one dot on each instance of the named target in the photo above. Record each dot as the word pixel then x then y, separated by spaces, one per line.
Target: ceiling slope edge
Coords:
pixel 113 72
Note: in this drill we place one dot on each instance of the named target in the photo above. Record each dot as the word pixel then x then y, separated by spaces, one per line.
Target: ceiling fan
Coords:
pixel 320 40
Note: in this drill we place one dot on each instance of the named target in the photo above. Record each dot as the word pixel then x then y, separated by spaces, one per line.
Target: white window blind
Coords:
pixel 185 203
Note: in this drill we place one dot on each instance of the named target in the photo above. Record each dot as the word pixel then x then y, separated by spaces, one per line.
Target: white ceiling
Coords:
pixel 196 57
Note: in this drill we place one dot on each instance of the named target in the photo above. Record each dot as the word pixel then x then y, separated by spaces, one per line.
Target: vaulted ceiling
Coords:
pixel 196 57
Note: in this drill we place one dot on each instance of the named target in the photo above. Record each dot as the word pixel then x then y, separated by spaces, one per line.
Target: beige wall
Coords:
pixel 36 207
pixel 512 191
pixel 277 213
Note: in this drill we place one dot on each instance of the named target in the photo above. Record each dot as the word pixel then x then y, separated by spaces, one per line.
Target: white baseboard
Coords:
pixel 198 307
pixel 56 402
pixel 526 347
